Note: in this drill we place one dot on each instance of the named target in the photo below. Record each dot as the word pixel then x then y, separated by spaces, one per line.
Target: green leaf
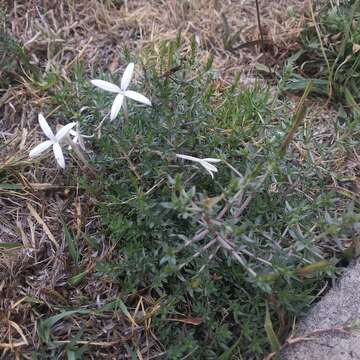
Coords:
pixel 72 245
pixel 44 327
pixel 299 115
pixel 273 339
pixel 350 101
pixel 5 186
pixel 228 353
pixel 10 245
pixel 71 355
pixel 118 303
pixel 76 279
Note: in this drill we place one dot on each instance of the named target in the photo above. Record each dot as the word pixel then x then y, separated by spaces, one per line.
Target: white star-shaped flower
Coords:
pixel 122 91
pixel 54 141
pixel 205 163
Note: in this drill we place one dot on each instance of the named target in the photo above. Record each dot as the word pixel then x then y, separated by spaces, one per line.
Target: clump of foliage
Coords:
pixel 224 264
pixel 282 229
pixel 329 54
pixel 14 59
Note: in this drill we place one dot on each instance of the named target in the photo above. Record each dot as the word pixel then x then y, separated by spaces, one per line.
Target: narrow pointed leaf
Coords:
pixel 272 337
pixel 44 327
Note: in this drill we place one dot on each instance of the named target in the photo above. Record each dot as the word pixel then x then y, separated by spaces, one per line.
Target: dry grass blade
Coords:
pixel 44 226
pixel 143 24
pixel 14 344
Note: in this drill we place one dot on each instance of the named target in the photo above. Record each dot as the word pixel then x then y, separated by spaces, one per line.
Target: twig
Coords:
pixel 132 166
pixel 210 258
pixel 246 203
pixel 204 248
pixel 259 25
pixel 225 244
pixel 126 111
pixel 196 238
pixel 309 337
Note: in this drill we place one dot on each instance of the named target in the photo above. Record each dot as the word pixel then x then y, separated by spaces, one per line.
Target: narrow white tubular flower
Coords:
pixel 205 163
pixel 54 141
pixel 121 91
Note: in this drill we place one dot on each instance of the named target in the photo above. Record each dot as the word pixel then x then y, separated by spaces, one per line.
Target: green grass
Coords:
pixel 329 53
pixel 299 222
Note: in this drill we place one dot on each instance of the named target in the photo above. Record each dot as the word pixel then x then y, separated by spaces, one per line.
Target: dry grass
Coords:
pixel 57 33
pixel 36 201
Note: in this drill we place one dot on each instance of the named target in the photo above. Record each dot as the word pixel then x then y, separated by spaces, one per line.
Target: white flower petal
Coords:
pixel 116 106
pixel 210 160
pixel 187 157
pixel 208 166
pixel 105 85
pixel 126 78
pixel 45 127
pixel 205 163
pixel 64 130
pixel 210 172
pixel 37 150
pixel 138 97
pixel 59 155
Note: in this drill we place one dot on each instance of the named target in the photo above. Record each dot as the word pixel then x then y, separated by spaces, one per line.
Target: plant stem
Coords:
pixel 259 26
pixel 126 112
